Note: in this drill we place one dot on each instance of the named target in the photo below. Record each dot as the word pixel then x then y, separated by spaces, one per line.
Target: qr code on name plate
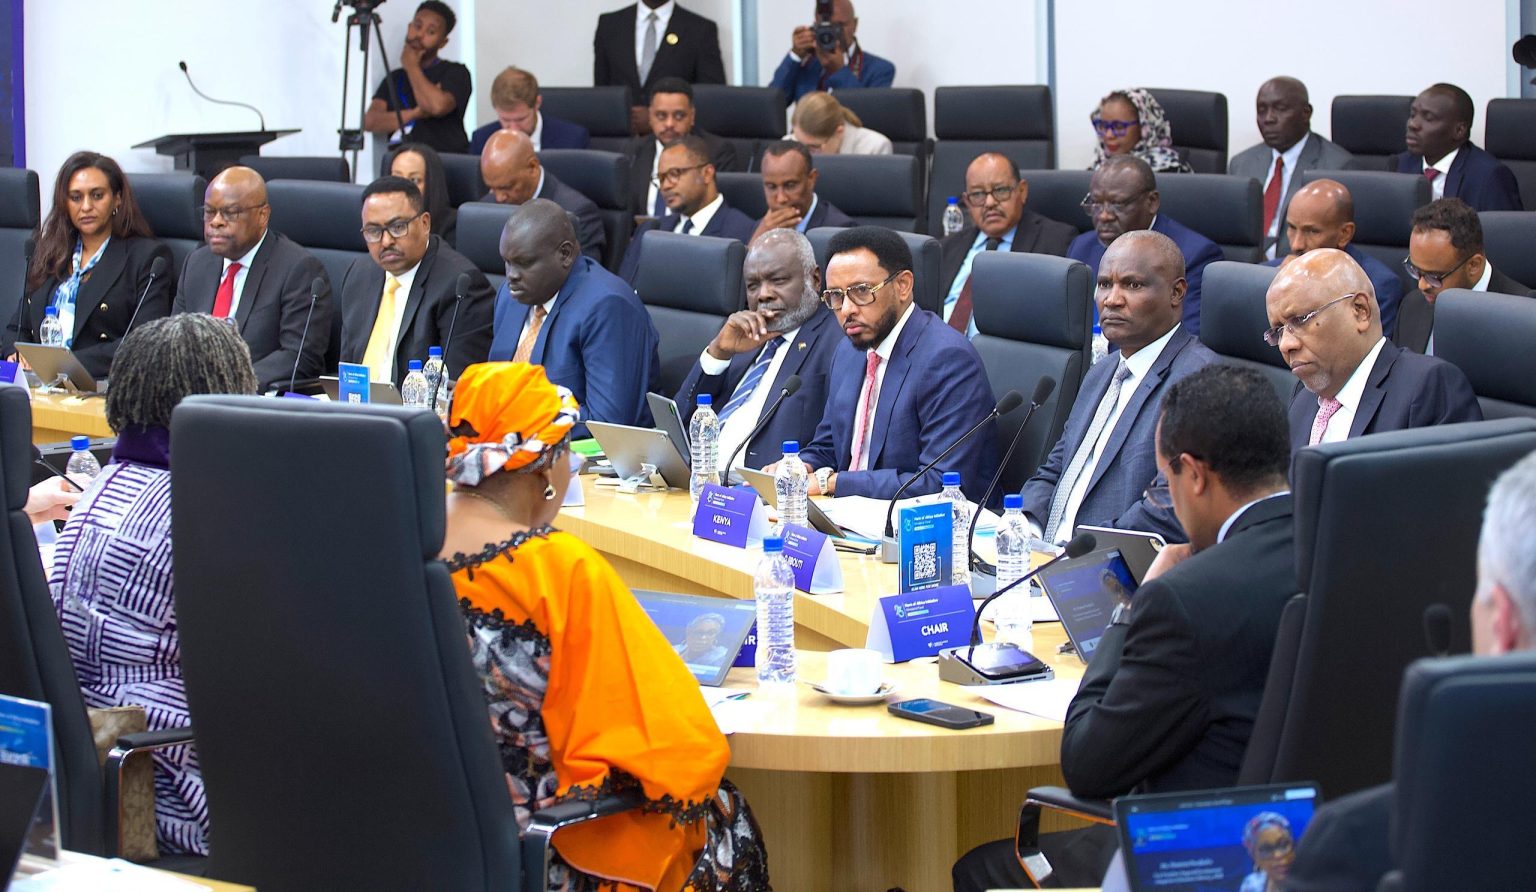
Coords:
pixel 925 561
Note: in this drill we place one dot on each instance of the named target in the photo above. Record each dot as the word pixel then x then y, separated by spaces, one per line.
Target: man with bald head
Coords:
pixel 1324 320
pixel 261 279
pixel 1105 462
pixel 1322 215
pixel 1440 148
pixel 510 167
pixel 840 63
pixel 1290 147
pixel 1122 197
pixel 564 311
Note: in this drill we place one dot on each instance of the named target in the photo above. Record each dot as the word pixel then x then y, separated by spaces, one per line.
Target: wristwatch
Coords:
pixel 822 476
pixel 1121 615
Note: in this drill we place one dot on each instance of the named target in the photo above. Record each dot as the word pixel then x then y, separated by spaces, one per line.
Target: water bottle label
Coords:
pixel 920 624
pixel 813 559
pixel 733 516
pixel 925 542
pixel 352 383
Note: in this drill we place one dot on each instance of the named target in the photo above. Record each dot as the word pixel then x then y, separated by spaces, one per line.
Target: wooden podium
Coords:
pixel 208 153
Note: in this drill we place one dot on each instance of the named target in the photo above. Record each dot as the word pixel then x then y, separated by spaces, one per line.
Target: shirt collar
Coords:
pixel 538 191
pixel 1444 164
pixel 406 279
pixel 663 17
pixel 1291 155
pixel 706 214
pixel 1006 239
pixel 1226 525
pixel 538 130
pixel 1487 277
pixel 245 259
pixel 806 220
pixel 1349 395
pixel 1141 362
pixel 888 346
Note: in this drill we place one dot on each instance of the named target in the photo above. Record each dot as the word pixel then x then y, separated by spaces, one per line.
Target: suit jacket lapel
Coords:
pixel 253 277
pixel 1025 235
pixel 562 298
pixel 1144 390
pixel 108 269
pixel 895 378
pixel 1458 171
pixel 802 346
pixel 1370 398
pixel 418 290
pixel 629 17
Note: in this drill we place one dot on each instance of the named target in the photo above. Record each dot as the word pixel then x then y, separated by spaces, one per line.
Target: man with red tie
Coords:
pixel 1440 147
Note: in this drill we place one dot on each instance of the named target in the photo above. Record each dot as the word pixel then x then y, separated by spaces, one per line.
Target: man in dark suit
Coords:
pixel 1099 470
pixel 402 299
pixel 518 105
pixel 582 323
pixel 637 50
pixel 1355 382
pixel 271 292
pixel 1440 147
pixel 1170 697
pixel 514 175
pixel 789 187
pixel 842 66
pixel 903 386
pixel 671 119
pixel 1445 250
pixel 785 330
pixel 1289 148
pixel 994 196
pixel 1322 215
pixel 1123 197
pixel 694 203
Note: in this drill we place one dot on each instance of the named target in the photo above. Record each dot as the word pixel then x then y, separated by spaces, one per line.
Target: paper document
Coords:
pixel 1046 699
pixel 866 516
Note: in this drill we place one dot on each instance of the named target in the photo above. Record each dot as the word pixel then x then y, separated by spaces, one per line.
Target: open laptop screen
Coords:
pixel 706 632
pixel 1084 592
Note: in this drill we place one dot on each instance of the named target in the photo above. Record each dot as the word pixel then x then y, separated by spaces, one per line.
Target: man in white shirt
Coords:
pixel 1440 148
pixel 672 117
pixel 515 99
pixel 694 203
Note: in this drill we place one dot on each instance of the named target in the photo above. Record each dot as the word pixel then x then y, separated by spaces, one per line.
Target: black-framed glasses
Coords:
pixel 1295 324
pixel 862 293
pixel 672 176
pixel 396 229
pixel 230 214
pixel 1116 208
pixel 978 197
pixel 1111 127
pixel 1435 280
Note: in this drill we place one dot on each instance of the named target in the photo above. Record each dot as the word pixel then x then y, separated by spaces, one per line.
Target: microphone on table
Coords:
pixel 317 289
pixel 188 75
pixel 156 270
pixel 1043 389
pixel 37 459
pixel 460 291
pixel 786 390
pixel 1008 662
pixel 1437 629
pixel 888 550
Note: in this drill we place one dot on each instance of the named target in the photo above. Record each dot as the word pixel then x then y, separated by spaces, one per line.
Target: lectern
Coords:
pixel 209 153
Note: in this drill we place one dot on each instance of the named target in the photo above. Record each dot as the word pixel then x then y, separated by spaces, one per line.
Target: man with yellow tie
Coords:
pixel 404 297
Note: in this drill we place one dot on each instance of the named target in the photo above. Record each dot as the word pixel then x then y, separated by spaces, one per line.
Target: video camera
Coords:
pixel 829 34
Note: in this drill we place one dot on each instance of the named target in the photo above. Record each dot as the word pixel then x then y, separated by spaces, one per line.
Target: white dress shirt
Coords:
pixel 701 218
pixel 402 296
pixel 652 189
pixel 245 269
pixel 1226 525
pixel 1437 185
pixel 642 24
pixel 537 136
pixel 733 433
pixel 885 348
pixel 977 246
pixel 1349 397
pixel 549 307
pixel 1291 158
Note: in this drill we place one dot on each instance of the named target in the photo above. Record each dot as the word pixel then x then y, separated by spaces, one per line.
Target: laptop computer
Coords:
pixel 22 791
pixel 706 632
pixel 49 363
pixel 378 391
pixel 668 419
pixel 1084 593
pixel 1138 548
pixel 627 448
pixel 818 519
pixel 1232 839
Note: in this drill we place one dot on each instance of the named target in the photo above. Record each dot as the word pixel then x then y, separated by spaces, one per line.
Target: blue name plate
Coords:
pixel 811 555
pixel 8 371
pixel 920 624
pixel 734 517
pixel 352 383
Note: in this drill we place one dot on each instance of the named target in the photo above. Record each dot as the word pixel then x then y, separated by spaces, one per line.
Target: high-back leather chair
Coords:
pixel 1372 128
pixel 1489 336
pixel 926 260
pixel 1017 121
pixel 747 117
pixel 1034 314
pixel 900 113
pixel 461 174
pixel 1384 206
pixel 297 167
pixel 879 190
pixel 603 177
pixel 1228 210
pixel 1059 194
pixel 1233 320
pixel 689 284
pixel 1198 121
pixel 172 204
pixel 20 214
pixel 604 111
pixel 479 237
pixel 326 218
pixel 1507 240
pixel 744 192
pixel 1509 134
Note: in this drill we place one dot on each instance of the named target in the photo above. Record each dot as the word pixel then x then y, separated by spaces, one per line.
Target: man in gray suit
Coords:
pixel 511 170
pixel 1289 147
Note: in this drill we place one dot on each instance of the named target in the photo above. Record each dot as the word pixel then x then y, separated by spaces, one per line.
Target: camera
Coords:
pixel 829 34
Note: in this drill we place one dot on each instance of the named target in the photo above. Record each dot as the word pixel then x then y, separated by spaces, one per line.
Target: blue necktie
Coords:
pixel 753 378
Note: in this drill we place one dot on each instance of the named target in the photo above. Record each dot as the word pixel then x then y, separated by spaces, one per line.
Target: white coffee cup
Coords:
pixel 854 671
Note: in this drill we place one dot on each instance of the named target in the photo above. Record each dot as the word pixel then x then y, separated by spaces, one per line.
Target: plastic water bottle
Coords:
pixel 51 332
pixel 82 467
pixel 437 389
pixel 960 528
pixel 413 392
pixel 790 482
pixel 704 435
pixel 954 217
pixel 1012 614
pixel 774 589
pixel 1100 343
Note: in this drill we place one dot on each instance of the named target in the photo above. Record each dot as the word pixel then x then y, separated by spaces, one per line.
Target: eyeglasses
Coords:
pixel 1295 324
pixel 1116 208
pixel 1281 846
pixel 1158 497
pixel 671 176
pixel 1112 127
pixel 862 294
pixel 978 197
pixel 1435 280
pixel 230 214
pixel 395 228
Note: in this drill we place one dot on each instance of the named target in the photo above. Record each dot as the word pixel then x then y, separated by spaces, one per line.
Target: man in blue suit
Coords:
pixel 1122 197
pixel 694 203
pixel 1106 460
pixel 903 387
pixel 515 97
pixel 845 66
pixel 1440 148
pixel 563 311
pixel 785 331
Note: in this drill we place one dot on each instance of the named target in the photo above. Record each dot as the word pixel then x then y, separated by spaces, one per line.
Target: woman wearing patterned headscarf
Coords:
pixel 1131 122
pixel 586 696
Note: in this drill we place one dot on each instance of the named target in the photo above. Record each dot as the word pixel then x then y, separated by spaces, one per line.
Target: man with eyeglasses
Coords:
pixel 1445 250
pixel 672 117
pixel 401 299
pixel 1122 197
pixel 1324 320
pixel 903 387
pixel 789 188
pixel 257 277
pixel 694 203
pixel 510 167
pixel 994 196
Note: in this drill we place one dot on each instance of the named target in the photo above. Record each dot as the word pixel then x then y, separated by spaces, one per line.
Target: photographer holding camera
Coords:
pixel 827 55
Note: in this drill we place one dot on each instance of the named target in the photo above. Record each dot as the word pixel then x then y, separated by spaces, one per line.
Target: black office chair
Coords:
pixel 1507 240
pixel 20 213
pixel 604 111
pixel 1464 735
pixel 461 174
pixel 342 732
pixel 326 218
pixel 1228 210
pixel 479 236
pixel 1034 315
pixel 294 167
pixel 900 113
pixel 747 117
pixel 744 192
pixel 1384 206
pixel 879 190
pixel 603 177
pixel 1233 320
pixel 172 204
pixel 1198 121
pixel 926 262
pixel 1510 136
pixel 1489 336
pixel 1372 128
pixel 1059 194
pixel 1017 121
pixel 689 284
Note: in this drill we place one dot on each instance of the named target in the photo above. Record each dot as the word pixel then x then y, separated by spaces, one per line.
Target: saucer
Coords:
pixel 886 689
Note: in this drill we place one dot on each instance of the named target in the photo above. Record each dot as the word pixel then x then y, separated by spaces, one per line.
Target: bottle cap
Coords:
pixel 434 352
pixel 773 545
pixel 791 447
pixel 51 311
pixel 951 478
pixel 1013 501
pixel 79 444
pixel 704 399
pixel 954 200
pixel 413 365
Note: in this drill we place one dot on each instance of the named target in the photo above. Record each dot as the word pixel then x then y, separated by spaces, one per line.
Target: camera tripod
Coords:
pixel 366 21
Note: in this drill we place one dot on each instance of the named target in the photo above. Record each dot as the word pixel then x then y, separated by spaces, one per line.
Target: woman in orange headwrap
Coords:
pixel 586 696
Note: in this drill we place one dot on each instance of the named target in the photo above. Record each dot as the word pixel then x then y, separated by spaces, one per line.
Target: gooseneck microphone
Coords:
pixel 790 385
pixel 317 290
pixel 188 75
pixel 37 459
pixel 460 291
pixel 156 270
pixel 1043 389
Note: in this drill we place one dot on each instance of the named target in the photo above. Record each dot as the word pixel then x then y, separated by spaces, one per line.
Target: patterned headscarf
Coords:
pixel 1156 144
pixel 507 415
